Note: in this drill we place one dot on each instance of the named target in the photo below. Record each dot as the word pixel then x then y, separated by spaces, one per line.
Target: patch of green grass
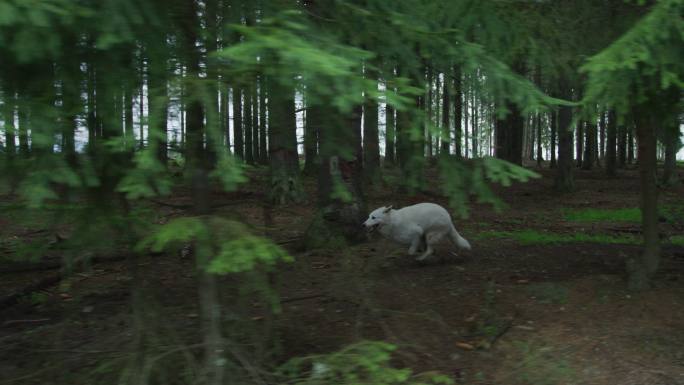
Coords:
pixel 534 237
pixel 677 240
pixel 631 214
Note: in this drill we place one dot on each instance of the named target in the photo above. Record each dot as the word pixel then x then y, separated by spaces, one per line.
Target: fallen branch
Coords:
pixel 54 265
pixel 302 298
pixel 24 321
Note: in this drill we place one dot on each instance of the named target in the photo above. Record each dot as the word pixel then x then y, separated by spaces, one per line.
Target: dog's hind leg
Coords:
pixel 427 253
pixel 430 239
pixel 415 244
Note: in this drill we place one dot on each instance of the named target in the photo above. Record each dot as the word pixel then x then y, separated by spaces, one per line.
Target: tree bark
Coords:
pixel 255 122
pixel 340 197
pixel 611 139
pixel 672 145
pixel 263 145
pixel 8 106
pixel 622 145
pixel 630 144
pixel 475 122
pixel 579 142
pixel 458 110
pixel 590 147
pixel 371 145
pixel 564 181
pixel 310 141
pixel 390 135
pixel 554 130
pixel 213 369
pixel 509 136
pixel 641 269
pixel 238 134
pixel 428 109
pixel 538 123
pixel 157 105
pixel 602 138
pixel 284 160
pixel 446 104
pixel 247 124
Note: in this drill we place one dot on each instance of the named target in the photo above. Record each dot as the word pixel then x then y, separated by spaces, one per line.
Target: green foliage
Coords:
pixel 643 61
pixel 148 179
pixel 365 363
pixel 461 180
pixel 222 246
pixel 534 237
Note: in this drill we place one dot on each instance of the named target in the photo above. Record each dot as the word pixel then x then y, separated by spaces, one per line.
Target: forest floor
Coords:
pixel 532 303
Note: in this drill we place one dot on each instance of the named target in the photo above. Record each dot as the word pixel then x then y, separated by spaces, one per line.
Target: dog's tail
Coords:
pixel 458 239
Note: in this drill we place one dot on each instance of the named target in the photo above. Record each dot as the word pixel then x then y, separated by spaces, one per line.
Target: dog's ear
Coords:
pixel 387 209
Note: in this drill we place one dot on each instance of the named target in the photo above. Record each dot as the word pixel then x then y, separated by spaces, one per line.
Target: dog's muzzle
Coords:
pixel 372 228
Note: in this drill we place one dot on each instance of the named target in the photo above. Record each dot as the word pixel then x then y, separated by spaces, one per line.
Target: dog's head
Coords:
pixel 377 218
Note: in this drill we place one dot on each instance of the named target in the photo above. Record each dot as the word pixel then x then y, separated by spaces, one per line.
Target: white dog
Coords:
pixel 423 223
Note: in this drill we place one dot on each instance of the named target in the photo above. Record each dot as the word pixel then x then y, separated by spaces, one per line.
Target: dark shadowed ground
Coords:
pixel 508 312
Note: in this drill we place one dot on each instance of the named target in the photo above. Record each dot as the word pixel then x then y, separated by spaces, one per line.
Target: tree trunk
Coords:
pixel 611 139
pixel 538 123
pixel 589 148
pixel 429 117
pixel 602 138
pixel 390 135
pixel 209 300
pixel 8 115
pixel 509 136
pixel 225 115
pixel 247 124
pixel 672 145
pixel 371 145
pixel 564 181
pixel 238 134
pixel 284 160
pixel 474 120
pixel 642 269
pixel 579 142
pixel 263 146
pixel 554 130
pixel 466 112
pixel 157 105
pixel 446 104
pixel 630 144
pixel 410 159
pixel 141 106
pixel 622 145
pixel 340 197
pixel 255 122
pixel 458 110
pixel 23 127
pixel 310 141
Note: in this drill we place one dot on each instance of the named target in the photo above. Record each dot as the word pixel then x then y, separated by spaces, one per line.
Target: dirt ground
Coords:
pixel 503 313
